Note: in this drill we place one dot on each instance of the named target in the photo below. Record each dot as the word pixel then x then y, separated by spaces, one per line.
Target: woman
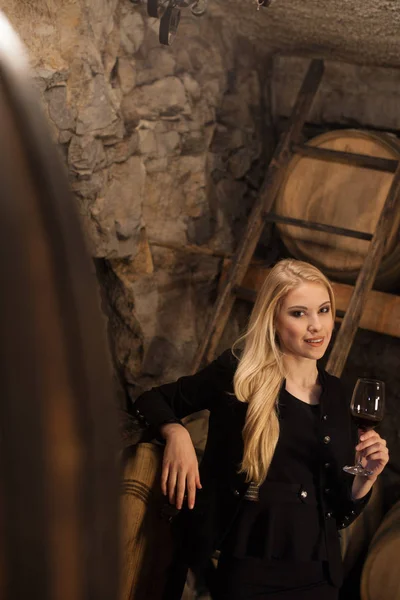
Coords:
pixel 271 494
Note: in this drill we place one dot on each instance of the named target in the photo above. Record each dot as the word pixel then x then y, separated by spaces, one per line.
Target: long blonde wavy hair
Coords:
pixel 260 372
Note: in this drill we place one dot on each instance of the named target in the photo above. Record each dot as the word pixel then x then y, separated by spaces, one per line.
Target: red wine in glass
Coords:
pixel 364 423
pixel 367 408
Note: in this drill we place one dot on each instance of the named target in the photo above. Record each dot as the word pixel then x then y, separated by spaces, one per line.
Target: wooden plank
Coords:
pixel 190 249
pixel 381 312
pixel 348 158
pixel 360 235
pixel 311 130
pixel 255 224
pixel 365 280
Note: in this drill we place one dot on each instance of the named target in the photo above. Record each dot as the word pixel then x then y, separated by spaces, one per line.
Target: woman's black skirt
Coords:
pixel 257 579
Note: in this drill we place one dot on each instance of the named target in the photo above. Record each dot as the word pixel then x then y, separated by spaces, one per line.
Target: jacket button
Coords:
pixel 327 490
pixel 328 515
pixel 327 439
pixel 236 493
pixel 327 465
pixel 325 417
pixel 304 493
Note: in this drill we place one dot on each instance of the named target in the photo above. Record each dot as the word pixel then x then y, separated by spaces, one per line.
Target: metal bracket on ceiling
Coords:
pixel 169 13
pixel 262 3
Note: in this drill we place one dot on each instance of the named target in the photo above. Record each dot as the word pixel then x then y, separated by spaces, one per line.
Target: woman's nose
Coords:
pixel 315 324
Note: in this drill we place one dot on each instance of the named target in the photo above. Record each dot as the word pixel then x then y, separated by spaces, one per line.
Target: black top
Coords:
pixel 298 423
pixel 286 521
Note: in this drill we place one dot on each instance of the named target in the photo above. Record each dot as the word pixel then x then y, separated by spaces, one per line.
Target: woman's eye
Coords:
pixel 297 313
pixel 326 309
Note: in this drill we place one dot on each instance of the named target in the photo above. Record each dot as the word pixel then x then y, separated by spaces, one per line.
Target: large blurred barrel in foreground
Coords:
pixel 356 538
pixel 146 540
pixel 342 195
pixel 381 574
pixel 58 451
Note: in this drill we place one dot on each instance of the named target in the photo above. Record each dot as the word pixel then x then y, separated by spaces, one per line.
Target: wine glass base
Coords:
pixel 357 470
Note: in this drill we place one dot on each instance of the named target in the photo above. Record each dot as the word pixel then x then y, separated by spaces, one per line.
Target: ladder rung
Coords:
pixel 349 158
pixel 360 235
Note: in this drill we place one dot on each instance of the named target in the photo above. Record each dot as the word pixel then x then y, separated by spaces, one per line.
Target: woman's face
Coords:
pixel 304 322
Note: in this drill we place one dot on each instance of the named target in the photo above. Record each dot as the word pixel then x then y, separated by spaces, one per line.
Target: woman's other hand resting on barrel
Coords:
pixel 180 469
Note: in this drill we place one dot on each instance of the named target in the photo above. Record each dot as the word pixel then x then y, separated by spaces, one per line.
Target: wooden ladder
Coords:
pixel 261 213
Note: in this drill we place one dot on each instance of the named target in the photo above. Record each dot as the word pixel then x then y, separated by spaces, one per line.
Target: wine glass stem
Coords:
pixel 359 454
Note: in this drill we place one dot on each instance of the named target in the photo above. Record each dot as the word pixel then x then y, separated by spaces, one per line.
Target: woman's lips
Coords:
pixel 315 342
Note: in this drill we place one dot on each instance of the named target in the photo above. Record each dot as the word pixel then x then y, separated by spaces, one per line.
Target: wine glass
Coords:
pixel 367 408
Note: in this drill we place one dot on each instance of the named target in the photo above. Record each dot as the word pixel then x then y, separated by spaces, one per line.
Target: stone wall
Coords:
pixel 351 95
pixel 163 150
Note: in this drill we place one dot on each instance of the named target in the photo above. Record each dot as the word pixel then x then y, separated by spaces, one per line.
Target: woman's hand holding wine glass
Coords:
pixel 373 452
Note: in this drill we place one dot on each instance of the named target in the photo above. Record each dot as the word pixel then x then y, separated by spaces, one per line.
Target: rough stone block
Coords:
pixel 85 154
pixel 156 64
pixel 126 74
pixel 118 213
pixel 96 111
pixel 59 111
pixel 121 151
pixel 132 32
pixel 166 97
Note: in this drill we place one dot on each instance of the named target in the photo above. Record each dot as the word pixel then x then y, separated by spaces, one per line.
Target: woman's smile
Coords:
pixel 316 342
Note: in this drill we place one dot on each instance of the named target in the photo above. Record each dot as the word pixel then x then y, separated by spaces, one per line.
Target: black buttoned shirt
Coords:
pixel 282 519
pixel 218 504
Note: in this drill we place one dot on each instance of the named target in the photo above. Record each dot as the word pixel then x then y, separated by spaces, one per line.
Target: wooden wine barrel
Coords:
pixel 356 538
pixel 145 535
pixel 381 574
pixel 344 196
pixel 59 482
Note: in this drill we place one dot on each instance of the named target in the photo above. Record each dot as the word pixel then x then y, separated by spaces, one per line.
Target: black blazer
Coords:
pixel 203 529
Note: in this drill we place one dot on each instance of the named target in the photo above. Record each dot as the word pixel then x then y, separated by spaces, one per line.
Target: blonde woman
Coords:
pixel 270 493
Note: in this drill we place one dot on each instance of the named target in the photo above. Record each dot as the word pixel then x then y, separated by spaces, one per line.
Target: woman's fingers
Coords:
pixel 364 435
pixel 366 442
pixel 373 447
pixel 179 485
pixel 373 450
pixel 164 478
pixel 180 489
pixel 381 456
pixel 191 490
pixel 172 481
pixel 198 482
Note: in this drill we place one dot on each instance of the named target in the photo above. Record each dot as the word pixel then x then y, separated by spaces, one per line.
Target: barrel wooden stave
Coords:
pixel 343 196
pixel 356 538
pixel 381 574
pixel 146 549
